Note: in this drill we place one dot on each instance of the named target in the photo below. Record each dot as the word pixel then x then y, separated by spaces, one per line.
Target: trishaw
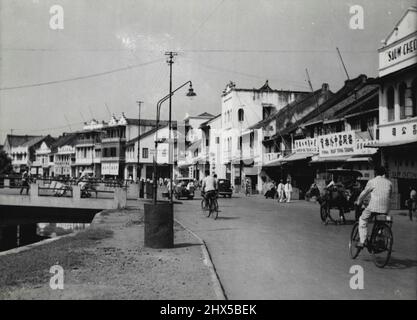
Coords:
pixel 184 188
pixel 340 194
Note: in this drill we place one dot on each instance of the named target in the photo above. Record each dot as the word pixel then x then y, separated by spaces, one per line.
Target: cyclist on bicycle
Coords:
pixel 380 189
pixel 209 186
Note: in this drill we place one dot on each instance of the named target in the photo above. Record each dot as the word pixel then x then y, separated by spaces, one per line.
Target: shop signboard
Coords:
pixel 405 130
pixel 110 169
pixel 337 144
pixel 361 149
pixel 308 145
pixel 398 55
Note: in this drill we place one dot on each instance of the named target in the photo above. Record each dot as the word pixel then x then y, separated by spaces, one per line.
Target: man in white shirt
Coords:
pixel 380 189
pixel 209 186
pixel 288 190
pixel 280 191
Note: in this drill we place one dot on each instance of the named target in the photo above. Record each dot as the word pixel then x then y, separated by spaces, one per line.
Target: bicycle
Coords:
pixel 210 203
pixel 379 242
pixel 204 202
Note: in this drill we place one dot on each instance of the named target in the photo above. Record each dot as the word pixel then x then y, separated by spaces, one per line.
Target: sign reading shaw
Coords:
pixel 398 55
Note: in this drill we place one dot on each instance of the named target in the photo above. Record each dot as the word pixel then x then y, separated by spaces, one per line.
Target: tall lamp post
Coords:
pixel 190 93
pixel 138 168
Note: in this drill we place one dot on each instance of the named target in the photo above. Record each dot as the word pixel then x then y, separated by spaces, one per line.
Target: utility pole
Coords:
pixel 138 168
pixel 312 91
pixel 343 64
pixel 170 62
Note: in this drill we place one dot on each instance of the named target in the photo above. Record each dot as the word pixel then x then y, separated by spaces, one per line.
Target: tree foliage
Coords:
pixel 5 163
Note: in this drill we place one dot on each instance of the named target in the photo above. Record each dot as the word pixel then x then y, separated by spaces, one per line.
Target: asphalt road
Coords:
pixel 265 250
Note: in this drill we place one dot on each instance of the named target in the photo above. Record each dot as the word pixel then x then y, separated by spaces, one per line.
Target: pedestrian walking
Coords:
pixel 247 187
pixel 25 182
pixel 288 190
pixel 412 202
pixel 281 191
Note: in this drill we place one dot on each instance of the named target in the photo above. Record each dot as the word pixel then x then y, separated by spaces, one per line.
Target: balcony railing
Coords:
pixel 86 142
pixel 112 139
pixel 84 161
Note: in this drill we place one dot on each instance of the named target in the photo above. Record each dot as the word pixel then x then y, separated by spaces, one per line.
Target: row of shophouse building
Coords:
pixel 261 135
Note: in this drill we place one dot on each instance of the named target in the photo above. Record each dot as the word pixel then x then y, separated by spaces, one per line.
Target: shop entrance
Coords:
pixel 404 191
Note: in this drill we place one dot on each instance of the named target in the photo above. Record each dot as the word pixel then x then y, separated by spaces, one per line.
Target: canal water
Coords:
pixel 14 236
pixel 20 226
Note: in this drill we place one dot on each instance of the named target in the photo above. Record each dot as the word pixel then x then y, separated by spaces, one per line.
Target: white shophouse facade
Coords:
pixel 398 105
pixel 43 165
pixel 193 147
pixel 147 151
pixel 242 149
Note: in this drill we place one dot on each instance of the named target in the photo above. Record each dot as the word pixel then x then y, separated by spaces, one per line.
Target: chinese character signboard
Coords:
pixel 361 149
pixel 402 131
pixel 337 144
pixel 306 146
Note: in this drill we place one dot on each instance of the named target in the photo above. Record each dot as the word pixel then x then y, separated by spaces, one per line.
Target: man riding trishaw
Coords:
pixel 340 192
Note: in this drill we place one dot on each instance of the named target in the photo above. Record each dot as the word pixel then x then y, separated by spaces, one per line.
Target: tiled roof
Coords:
pixel 18 140
pixel 286 116
pixel 337 108
pixel 206 114
pixel 33 141
pixel 206 123
pixel 69 139
pixel 145 122
pixel 326 109
pixel 150 132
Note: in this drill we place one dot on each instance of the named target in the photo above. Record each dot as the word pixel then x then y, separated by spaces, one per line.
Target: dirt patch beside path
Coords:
pixel 109 261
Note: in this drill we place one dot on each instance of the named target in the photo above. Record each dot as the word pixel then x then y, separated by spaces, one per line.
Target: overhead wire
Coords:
pixel 93 75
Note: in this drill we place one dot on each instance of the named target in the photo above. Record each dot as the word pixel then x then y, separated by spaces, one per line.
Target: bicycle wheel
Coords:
pixel 333 214
pixel 381 244
pixel 214 209
pixel 323 213
pixel 354 240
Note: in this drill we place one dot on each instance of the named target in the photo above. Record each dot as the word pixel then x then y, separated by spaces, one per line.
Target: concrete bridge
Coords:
pixel 118 199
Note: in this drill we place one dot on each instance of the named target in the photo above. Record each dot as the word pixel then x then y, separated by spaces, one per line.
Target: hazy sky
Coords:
pixel 245 41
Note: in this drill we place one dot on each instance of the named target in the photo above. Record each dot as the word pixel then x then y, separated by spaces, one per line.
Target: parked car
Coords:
pixel 225 188
pixel 184 188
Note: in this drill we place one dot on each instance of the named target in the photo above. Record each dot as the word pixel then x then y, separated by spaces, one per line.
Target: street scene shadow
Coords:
pixel 396 263
pixel 227 218
pixel 185 245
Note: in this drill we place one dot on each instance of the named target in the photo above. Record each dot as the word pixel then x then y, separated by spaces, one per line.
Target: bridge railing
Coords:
pixel 63 186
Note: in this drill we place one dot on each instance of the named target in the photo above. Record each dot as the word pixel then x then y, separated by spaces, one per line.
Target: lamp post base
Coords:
pixel 159 225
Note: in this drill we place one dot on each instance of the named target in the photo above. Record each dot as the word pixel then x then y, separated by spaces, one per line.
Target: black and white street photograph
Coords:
pixel 208 154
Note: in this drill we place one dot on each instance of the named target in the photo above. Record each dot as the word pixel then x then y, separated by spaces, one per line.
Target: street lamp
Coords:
pixel 190 93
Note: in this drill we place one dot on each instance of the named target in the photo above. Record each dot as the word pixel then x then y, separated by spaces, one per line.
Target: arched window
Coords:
pixel 401 92
pixel 390 104
pixel 241 115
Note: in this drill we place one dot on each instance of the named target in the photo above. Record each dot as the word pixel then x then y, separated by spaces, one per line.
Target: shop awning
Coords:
pixel 391 144
pixel 330 159
pixel 275 163
pixel 298 156
pixel 359 159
